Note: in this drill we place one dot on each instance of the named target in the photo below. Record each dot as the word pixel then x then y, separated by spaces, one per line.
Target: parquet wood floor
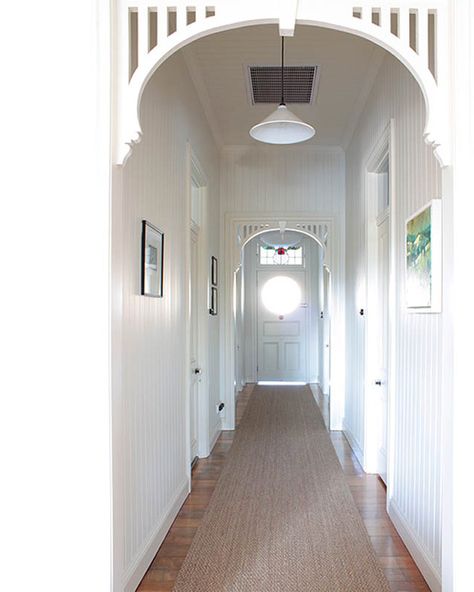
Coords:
pixel 368 492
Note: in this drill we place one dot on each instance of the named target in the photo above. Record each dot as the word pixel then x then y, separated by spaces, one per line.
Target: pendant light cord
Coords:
pixel 282 71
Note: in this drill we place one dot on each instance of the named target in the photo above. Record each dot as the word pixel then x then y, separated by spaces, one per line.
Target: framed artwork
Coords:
pixel 213 271
pixel 152 261
pixel 423 259
pixel 213 303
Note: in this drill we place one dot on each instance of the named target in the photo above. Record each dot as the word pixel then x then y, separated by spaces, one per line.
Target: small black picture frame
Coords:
pixel 213 304
pixel 152 261
pixel 214 271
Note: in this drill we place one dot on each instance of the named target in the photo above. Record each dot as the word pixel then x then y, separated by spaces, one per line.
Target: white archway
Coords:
pixel 315 352
pixel 239 230
pixel 427 62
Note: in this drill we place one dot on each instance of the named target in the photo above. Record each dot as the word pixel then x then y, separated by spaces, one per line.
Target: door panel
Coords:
pixel 292 356
pixel 382 362
pixel 281 339
pixel 194 339
pixel 281 329
pixel 270 356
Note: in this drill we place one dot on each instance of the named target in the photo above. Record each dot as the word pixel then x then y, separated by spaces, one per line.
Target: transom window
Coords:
pixel 281 255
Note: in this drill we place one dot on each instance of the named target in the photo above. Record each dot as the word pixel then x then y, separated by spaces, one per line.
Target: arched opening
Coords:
pixel 282 311
pixel 420 50
pixel 200 101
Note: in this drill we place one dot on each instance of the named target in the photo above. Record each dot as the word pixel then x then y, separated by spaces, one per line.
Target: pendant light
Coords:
pixel 282 126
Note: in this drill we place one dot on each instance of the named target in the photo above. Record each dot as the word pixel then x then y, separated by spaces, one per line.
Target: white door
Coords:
pixel 326 330
pixel 281 337
pixel 194 339
pixel 381 382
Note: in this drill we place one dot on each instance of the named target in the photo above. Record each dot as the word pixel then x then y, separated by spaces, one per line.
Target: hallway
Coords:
pixel 368 494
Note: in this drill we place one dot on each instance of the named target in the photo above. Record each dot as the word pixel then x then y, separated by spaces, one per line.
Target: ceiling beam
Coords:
pixel 288 11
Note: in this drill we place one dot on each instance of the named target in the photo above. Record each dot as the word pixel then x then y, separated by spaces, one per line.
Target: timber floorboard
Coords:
pixel 368 492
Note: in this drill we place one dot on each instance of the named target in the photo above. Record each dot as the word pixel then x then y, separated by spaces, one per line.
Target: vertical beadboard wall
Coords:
pixel 283 179
pixel 154 399
pixel 415 485
pixel 313 265
pixel 291 180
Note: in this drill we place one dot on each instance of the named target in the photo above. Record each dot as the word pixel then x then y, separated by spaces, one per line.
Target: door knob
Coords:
pixel 197 371
pixel 378 382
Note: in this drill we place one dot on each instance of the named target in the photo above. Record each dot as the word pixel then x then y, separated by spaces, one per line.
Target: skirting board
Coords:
pixel 137 570
pixel 430 572
pixel 355 447
pixel 216 435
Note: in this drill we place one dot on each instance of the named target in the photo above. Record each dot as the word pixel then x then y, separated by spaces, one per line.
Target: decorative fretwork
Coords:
pixel 147 33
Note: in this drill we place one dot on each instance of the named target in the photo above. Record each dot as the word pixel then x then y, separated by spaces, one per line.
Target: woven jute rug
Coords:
pixel 282 518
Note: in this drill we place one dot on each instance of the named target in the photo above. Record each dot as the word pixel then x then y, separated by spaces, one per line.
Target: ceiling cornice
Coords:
pixel 328 149
pixel 375 63
pixel 203 95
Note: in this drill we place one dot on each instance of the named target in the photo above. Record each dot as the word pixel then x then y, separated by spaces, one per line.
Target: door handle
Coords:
pixel 197 371
pixel 378 382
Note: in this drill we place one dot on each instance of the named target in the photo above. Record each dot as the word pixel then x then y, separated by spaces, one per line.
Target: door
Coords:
pixel 194 342
pixel 383 225
pixel 326 331
pixel 281 334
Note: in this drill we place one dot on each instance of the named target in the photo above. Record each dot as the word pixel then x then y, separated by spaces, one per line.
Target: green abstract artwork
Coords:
pixel 419 260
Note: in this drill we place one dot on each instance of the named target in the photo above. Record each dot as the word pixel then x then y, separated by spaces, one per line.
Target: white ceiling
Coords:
pixel 218 63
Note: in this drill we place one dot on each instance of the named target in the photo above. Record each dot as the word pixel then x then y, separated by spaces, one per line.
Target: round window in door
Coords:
pixel 281 295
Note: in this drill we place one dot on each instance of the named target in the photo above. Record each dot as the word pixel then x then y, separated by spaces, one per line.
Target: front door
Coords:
pixel 281 334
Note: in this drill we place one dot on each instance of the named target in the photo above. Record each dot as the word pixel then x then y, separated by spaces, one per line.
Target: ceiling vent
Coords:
pixel 301 84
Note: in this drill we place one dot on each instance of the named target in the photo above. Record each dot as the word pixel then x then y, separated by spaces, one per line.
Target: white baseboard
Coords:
pixel 430 572
pixel 138 568
pixel 354 445
pixel 217 433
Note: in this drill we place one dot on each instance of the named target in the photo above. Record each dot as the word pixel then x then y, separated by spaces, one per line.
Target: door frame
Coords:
pixel 383 149
pixel 196 234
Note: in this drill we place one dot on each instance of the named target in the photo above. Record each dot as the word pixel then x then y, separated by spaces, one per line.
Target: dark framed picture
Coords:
pixel 213 271
pixel 213 303
pixel 152 261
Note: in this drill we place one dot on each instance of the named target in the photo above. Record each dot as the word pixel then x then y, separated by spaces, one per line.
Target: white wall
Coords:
pixel 415 479
pixel 150 412
pixel 54 336
pixel 313 268
pixel 293 180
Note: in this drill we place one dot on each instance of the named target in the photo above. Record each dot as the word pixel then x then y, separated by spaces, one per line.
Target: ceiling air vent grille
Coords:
pixel 300 84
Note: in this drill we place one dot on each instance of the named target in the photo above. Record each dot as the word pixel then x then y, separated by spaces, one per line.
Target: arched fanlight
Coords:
pixel 282 126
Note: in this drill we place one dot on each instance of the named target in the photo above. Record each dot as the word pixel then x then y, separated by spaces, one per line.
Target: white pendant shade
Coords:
pixel 282 127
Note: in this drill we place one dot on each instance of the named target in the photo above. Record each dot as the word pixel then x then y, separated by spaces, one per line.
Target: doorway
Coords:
pixel 282 308
pixel 382 326
pixel 195 368
pixel 198 335
pixel 378 303
pixel 281 325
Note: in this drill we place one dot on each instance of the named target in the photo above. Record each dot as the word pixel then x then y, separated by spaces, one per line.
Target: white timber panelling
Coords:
pixel 283 179
pixel 278 180
pixel 152 411
pixel 414 488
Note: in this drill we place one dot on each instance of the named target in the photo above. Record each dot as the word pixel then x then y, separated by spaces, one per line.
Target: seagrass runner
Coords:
pixel 282 518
